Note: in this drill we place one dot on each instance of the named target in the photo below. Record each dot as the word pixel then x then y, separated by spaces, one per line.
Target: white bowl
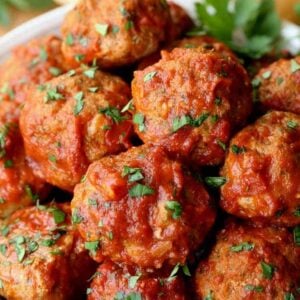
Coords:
pixel 50 23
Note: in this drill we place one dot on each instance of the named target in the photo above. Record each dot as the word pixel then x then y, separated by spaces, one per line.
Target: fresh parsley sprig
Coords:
pixel 251 28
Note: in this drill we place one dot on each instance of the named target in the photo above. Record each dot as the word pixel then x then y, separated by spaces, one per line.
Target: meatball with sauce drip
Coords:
pixel 250 263
pixel 190 102
pixel 112 281
pixel 42 257
pixel 72 121
pixel 116 33
pixel 142 208
pixel 262 171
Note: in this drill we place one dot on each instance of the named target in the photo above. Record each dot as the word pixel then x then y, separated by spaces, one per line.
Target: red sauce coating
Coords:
pixel 157 214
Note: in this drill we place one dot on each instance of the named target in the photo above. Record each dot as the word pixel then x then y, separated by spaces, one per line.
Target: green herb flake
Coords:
pixel 1 284
pixel 149 76
pixel 289 296
pixel 115 29
pixel 79 98
pixel 4 230
pixel 133 281
pixel 79 57
pixel 102 29
pixel 128 106
pixel 215 182
pixel 92 246
pixel 93 89
pixel 89 291
pixel 296 234
pixel 58 215
pixel 186 270
pixel 297 212
pixel 279 80
pixel 129 25
pixel 238 149
pixel 245 246
pixel 114 113
pixel 140 190
pixel 174 272
pixel 267 269
pixel 8 164
pixel 71 73
pixel 218 101
pixel 209 296
pixel 139 120
pixel 92 202
pixel 55 71
pixel 294 66
pixel 256 82
pixel 20 251
pixel 52 94
pixel 254 288
pixel 134 174
pixel 221 144
pixel 175 207
pixel 76 217
pixel 69 39
pixel 90 73
pixel 2 200
pixel 48 242
pixel 3 249
pixel 52 158
pixel 267 75
pixel 30 194
pixel 291 124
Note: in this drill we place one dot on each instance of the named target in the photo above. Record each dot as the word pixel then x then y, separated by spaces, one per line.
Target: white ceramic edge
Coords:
pixel 50 23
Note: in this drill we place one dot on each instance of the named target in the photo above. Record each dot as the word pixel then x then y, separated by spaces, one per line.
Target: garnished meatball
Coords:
pixel 262 170
pixel 116 33
pixel 19 187
pixel 112 281
pixel 41 256
pixel 278 86
pixel 250 263
pixel 30 64
pixel 72 121
pixel 142 208
pixel 191 101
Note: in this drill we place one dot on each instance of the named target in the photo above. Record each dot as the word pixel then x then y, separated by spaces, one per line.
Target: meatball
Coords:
pixel 41 255
pixel 18 185
pixel 118 282
pixel 180 21
pixel 116 33
pixel 74 120
pixel 190 101
pixel 30 64
pixel 262 170
pixel 142 208
pixel 279 86
pixel 250 263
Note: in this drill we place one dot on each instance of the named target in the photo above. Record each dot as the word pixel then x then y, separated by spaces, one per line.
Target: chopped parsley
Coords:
pixel 92 246
pixel 30 194
pixel 90 73
pixel 267 75
pixel 175 207
pixel 69 39
pixel 176 269
pixel 267 269
pixel 209 296
pixel 182 121
pixel 139 120
pixel 133 281
pixel 289 296
pixel 52 94
pixel 297 212
pixel 237 149
pixel 245 246
pixel 102 29
pixel 79 98
pixel 140 190
pixel 93 89
pixel 294 66
pixel 52 158
pixel 114 113
pixel 291 124
pixel 215 182
pixel 3 249
pixel 221 144
pixel 129 25
pixel 296 234
pixel 8 164
pixel 134 174
pixel 55 71
pixel 254 288
pixel 76 217
pixel 2 200
pixel 58 215
pixel 149 76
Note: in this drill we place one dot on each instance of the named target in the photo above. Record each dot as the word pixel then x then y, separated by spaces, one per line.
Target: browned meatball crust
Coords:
pixel 190 101
pixel 72 121
pixel 142 208
pixel 115 33
pixel 250 263
pixel 41 255
pixel 262 170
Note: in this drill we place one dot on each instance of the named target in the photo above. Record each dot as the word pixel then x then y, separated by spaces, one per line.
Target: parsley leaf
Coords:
pixel 175 207
pixel 113 113
pixel 102 29
pixel 268 270
pixel 139 120
pixel 140 190
pixel 215 182
pixel 79 97
pixel 242 247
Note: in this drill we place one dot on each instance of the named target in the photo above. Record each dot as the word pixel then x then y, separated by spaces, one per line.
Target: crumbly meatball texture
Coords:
pixel 73 120
pixel 142 208
pixel 33 63
pixel 250 263
pixel 41 256
pixel 279 86
pixel 112 281
pixel 262 169
pixel 190 101
pixel 116 33
pixel 19 187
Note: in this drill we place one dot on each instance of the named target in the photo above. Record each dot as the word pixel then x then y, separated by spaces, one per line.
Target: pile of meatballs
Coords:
pixel 140 163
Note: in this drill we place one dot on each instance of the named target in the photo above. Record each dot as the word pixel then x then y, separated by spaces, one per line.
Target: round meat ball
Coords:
pixel 19 187
pixel 190 101
pixel 73 120
pixel 250 263
pixel 262 169
pixel 41 255
pixel 30 64
pixel 112 281
pixel 142 208
pixel 278 86
pixel 116 33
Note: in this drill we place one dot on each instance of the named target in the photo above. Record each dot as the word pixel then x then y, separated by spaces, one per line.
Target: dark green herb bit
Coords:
pixel 254 288
pixel 92 202
pixel 221 144
pixel 79 57
pixel 289 296
pixel 69 39
pixel 149 76
pixel 238 149
pixel 139 120
pixel 48 242
pixel 209 296
pixel 291 124
pixel 89 291
pixel 8 164
pixel 76 217
pixel 182 121
pixel 296 234
pixel 129 25
pixel 1 284
pixel 102 29
pixel 90 73
pixel 245 246
pixel 256 82
pixel 186 270
pixel 294 66
pixel 3 249
pixel 267 269
pixel 115 29
pixel 133 281
pixel 267 75
pixel 279 80
pixel 92 246
pixel 134 174
pixel 52 94
pixel 52 158
pixel 215 182
pixel 55 71
pixel 79 98
pixel 114 113
pixel 218 101
pixel 175 207
pixel 4 230
pixel 140 190
pixel 20 251
pixel 174 272
pixel 297 212
pixel 58 215
pixel 30 194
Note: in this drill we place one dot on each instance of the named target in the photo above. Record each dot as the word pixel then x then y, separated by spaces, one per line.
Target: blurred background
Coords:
pixel 15 12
